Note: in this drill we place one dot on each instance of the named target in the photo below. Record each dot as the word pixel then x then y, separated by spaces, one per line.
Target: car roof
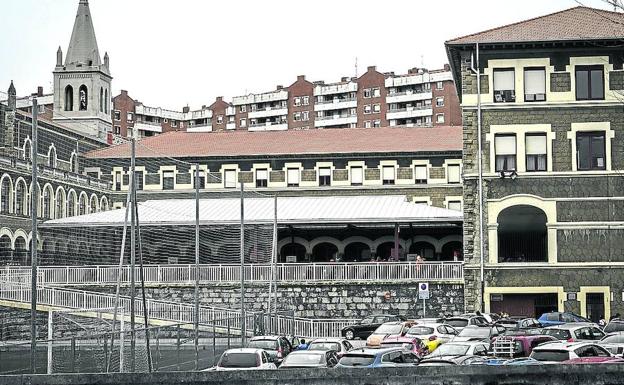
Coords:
pixel 244 350
pixel 470 343
pixel 430 325
pixel 571 325
pixel 260 338
pixel 401 339
pixel 320 340
pixel 315 352
pixel 561 345
pixel 373 351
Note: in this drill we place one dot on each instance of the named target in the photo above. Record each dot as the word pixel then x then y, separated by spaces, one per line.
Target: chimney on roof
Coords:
pixel 39 91
pixel 185 109
pixel 300 77
pixel 372 68
pixel 279 87
pixel 447 67
pixel 124 92
pixel 319 82
pixel 344 79
pixel 219 98
pixel 203 107
pixel 412 71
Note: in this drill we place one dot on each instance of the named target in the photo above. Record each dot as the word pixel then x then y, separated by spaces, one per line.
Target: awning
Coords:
pixel 377 209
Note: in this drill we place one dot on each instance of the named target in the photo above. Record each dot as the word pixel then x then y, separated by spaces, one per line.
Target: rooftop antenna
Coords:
pixel 356 71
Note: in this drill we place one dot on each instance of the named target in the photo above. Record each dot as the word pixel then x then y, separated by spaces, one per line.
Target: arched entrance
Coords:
pixel 20 254
pixel 324 252
pixel 424 249
pixel 452 251
pixel 357 252
pixel 522 234
pixel 292 250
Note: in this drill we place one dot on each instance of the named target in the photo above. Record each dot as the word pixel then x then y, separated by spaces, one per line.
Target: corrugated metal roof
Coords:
pixel 291 210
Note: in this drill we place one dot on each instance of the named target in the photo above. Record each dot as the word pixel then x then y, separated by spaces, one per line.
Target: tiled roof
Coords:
pixel 318 141
pixel 579 23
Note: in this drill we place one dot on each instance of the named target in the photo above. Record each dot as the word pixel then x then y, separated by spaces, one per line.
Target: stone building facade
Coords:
pixel 552 134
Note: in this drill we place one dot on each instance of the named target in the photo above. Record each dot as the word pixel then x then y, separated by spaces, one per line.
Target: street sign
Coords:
pixel 423 290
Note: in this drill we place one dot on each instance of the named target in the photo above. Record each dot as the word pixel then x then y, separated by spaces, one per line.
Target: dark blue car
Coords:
pixel 378 358
pixel 558 318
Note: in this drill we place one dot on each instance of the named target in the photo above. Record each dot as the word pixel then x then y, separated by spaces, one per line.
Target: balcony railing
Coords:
pixel 403 109
pixel 331 117
pixel 230 273
pixel 333 101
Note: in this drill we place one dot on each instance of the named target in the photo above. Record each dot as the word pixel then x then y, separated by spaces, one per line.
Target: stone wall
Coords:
pixel 616 80
pixel 560 82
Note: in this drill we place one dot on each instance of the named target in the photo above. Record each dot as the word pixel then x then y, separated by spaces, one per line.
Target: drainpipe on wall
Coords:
pixel 480 178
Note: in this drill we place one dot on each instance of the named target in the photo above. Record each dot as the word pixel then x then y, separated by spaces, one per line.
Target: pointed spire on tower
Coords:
pixel 83 48
pixel 59 57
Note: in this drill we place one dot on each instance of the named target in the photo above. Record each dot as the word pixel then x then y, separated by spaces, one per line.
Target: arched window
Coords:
pixel 522 235
pixel 52 157
pixel 69 98
pixel 6 189
pixel 82 204
pixel 94 204
pixel 47 202
pixel 27 150
pixel 106 101
pixel 101 99
pixel 73 167
pixel 20 198
pixel 59 209
pixel 84 98
pixel 71 203
pixel 104 204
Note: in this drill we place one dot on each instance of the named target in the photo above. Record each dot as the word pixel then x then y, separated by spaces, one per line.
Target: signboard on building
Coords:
pixel 423 290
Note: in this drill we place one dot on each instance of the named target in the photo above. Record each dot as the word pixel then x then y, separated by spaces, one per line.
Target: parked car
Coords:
pixel 339 345
pixel 310 359
pixel 518 344
pixel 615 325
pixel 471 348
pixel 513 361
pixel 433 334
pixel 378 358
pixel 462 321
pixel 577 331
pixel 558 318
pixel 572 352
pixel 614 343
pixel 412 344
pixel 389 329
pixel 519 323
pixel 368 325
pixel 489 317
pixel 452 361
pixel 244 359
pixel 277 347
pixel 478 333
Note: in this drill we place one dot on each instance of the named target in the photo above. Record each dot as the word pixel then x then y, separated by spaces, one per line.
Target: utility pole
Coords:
pixel 34 199
pixel 242 264
pixel 132 257
pixel 197 266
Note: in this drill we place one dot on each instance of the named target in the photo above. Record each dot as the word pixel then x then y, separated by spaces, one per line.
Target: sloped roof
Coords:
pixel 181 144
pixel 83 44
pixel 578 23
pixel 371 209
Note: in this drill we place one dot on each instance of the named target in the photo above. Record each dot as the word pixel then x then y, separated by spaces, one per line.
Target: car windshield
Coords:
pixel 357 360
pixel 550 355
pixel 614 339
pixel 303 359
pixel 388 329
pixel 324 346
pixel 559 334
pixel 451 350
pixel 420 330
pixel 458 323
pixel 263 344
pixel 238 360
pixel 614 327
pixel 475 332
pixel 397 344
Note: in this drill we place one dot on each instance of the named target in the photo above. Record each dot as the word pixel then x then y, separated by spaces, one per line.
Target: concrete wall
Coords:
pixel 473 375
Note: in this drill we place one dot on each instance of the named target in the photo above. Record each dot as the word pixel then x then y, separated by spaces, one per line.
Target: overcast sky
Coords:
pixel 186 52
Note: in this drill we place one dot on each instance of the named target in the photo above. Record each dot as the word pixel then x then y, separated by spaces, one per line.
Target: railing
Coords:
pixel 416 108
pixel 335 101
pixel 230 273
pixel 229 319
pixel 330 117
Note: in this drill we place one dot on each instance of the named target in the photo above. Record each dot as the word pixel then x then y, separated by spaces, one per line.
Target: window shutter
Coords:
pixel 388 173
pixel 293 176
pixel 503 80
pixel 536 144
pixel 230 178
pixel 262 174
pixel 535 81
pixel 505 145
pixel 421 172
pixel 324 171
pixel 356 175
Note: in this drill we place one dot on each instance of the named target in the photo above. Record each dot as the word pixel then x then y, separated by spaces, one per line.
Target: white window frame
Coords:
pixel 293 177
pixel 368 109
pixel 438 120
pixel 376 108
pixel 440 85
pixel 440 101
pixel 297 101
pixel 243 122
pixel 356 175
pixel 306 100
pixel 228 182
pixel 243 108
pixel 450 177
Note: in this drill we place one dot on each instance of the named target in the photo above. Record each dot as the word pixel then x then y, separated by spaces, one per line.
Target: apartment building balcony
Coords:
pixel 148 126
pixel 159 112
pixel 266 97
pixel 335 104
pixel 409 112
pixel 200 128
pixel 268 126
pixel 331 89
pixel 408 96
pixel 333 120
pixel 268 111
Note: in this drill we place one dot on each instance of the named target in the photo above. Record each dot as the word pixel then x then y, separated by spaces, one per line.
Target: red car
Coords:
pixel 412 344
pixel 518 344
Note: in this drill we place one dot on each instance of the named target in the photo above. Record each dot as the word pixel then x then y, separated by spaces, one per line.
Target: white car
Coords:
pixel 244 359
pixel 432 331
pixel 576 352
pixel 469 348
pixel 575 331
pixel 613 342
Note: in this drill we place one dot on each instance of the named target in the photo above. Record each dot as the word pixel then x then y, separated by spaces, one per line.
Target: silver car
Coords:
pixel 432 332
pixel 468 348
pixel 614 343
